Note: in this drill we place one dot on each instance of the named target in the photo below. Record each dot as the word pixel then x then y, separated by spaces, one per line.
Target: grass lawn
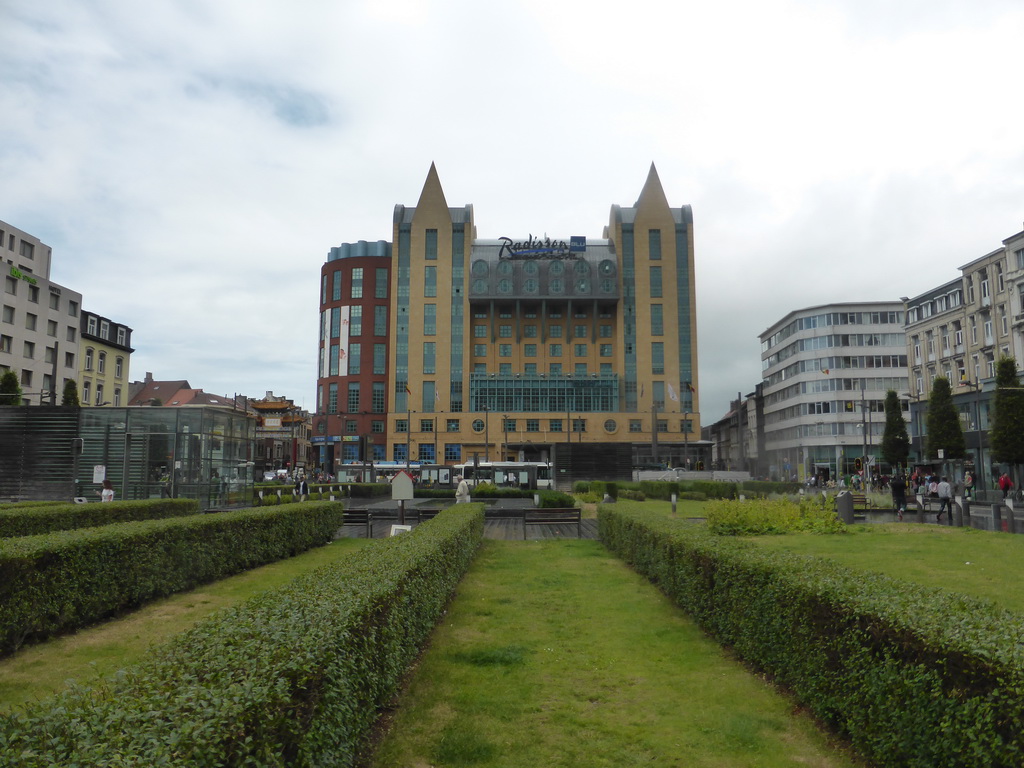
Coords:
pixel 39 670
pixel 979 563
pixel 554 653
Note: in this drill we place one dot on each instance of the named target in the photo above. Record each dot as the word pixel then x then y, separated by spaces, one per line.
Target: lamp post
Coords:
pixel 504 440
pixel 487 433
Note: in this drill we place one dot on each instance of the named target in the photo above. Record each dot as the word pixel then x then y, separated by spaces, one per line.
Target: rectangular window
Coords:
pixel 355 321
pixel 654 243
pixel 335 322
pixel 90 325
pixel 452 425
pixel 504 350
pixel 27 250
pixel 101 363
pixel 380 320
pixel 452 452
pixel 333 358
pixel 377 393
pixel 357 283
pixel 332 398
pixel 8 314
pixel 29 350
pixel 606 350
pixel 530 331
pixel 657 323
pixel 11 285
pixel 118 367
pixel 655 282
pixel 479 350
pixel 579 350
pixel 554 369
pixel 554 350
pixel 355 353
pixel 5 343
pixel 658 358
pixel 104 330
pixel 33 294
pixel 30 321
pixel 430 281
pixel 529 350
pixel 554 425
pixel 430 319
pixel 555 331
pixel 353 397
pixel 579 331
pixel 51 328
pixel 380 283
pixel 72 333
pixel 430 246
pixel 122 337
pixel 73 309
pixel 479 331
pixel 380 359
pixel 69 359
pixel 635 425
pixel 505 331
pixel 429 357
pixel 55 301
pixel 336 286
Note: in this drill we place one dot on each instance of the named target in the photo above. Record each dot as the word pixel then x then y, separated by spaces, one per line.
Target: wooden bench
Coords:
pixel 554 516
pixel 860 501
pixel 359 517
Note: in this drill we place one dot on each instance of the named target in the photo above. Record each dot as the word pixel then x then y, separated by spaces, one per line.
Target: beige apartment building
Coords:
pixel 39 324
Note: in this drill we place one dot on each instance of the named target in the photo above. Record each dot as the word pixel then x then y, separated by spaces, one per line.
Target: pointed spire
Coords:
pixel 652 193
pixel 432 195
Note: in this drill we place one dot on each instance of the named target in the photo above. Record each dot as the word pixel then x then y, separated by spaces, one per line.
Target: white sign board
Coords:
pixel 99 473
pixel 397 529
pixel 401 486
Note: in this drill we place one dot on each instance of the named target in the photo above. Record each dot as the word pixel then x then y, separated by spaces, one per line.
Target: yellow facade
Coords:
pixel 522 338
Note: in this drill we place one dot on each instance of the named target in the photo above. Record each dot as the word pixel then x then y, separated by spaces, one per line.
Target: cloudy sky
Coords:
pixel 192 162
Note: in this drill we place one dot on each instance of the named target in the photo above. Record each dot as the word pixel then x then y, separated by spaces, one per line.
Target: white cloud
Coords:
pixel 192 163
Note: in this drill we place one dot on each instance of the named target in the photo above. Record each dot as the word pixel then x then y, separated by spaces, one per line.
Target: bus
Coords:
pixel 530 475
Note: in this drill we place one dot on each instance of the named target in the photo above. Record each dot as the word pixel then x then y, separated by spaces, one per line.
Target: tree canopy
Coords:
pixel 1007 430
pixel 10 389
pixel 895 441
pixel 945 432
pixel 70 396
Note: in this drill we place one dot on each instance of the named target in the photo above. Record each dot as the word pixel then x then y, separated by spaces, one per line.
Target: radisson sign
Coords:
pixel 542 248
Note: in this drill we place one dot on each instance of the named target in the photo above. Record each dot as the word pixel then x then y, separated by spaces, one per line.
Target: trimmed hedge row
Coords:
pixel 292 677
pixel 65 580
pixel 34 520
pixel 911 676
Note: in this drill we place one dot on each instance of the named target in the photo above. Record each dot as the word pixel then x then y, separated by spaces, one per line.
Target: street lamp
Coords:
pixel 504 442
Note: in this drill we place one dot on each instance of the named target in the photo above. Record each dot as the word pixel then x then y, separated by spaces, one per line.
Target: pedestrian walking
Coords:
pixel 898 487
pixel 945 493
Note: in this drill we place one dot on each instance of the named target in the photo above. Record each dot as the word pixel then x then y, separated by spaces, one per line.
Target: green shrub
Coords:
pixel 555 500
pixel 30 521
pixel 65 580
pixel 295 676
pixel 910 676
pixel 759 517
pixel 633 495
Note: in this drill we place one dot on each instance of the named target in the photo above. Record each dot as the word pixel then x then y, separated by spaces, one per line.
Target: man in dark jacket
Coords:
pixel 899 495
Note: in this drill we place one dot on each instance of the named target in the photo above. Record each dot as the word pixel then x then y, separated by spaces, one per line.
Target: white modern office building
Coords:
pixel 826 371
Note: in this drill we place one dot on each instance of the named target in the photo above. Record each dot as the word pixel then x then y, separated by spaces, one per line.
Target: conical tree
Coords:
pixel 895 441
pixel 1007 433
pixel 10 389
pixel 70 396
pixel 944 430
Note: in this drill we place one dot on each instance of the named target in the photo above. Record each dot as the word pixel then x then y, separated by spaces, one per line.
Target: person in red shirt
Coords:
pixel 1005 484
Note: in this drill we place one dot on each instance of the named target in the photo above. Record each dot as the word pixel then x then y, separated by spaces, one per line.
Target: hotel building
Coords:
pixel 443 347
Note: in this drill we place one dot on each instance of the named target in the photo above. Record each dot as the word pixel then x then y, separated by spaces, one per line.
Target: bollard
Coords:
pixel 967 513
pixel 1010 517
pixel 919 501
pixel 997 517
pixel 958 513
pixel 673 505
pixel 844 507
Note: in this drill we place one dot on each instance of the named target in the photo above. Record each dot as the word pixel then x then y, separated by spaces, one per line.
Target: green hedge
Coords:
pixel 911 676
pixel 293 677
pixel 30 521
pixel 61 581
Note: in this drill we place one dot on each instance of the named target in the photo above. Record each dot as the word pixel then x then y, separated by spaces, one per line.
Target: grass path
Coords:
pixel 556 654
pixel 40 670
